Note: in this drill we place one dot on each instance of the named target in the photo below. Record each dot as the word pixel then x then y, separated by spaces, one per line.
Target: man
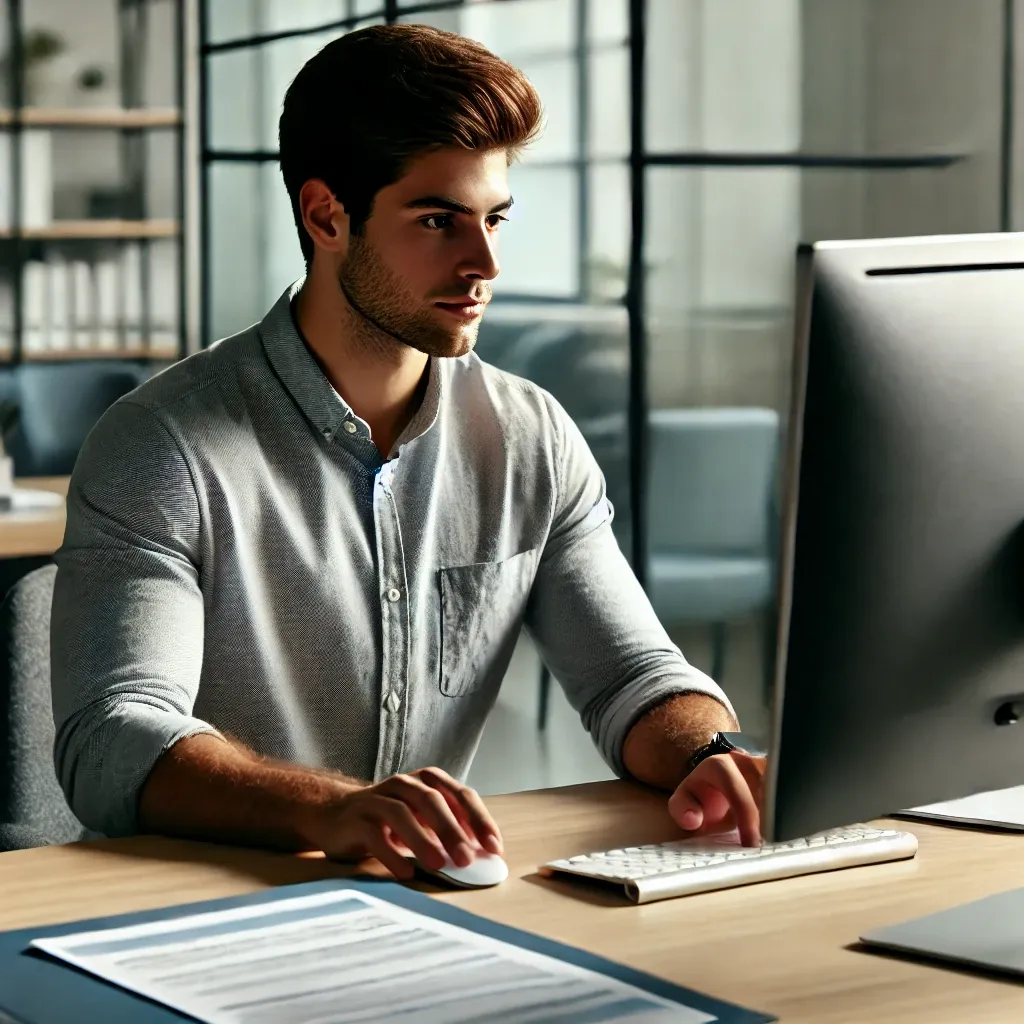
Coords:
pixel 296 564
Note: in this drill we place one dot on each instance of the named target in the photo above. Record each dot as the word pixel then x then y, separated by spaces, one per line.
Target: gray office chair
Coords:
pixel 711 524
pixel 33 811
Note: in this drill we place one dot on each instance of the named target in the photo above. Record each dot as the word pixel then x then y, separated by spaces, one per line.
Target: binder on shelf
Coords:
pixel 59 305
pixel 36 178
pixel 106 305
pixel 35 308
pixel 82 317
pixel 131 270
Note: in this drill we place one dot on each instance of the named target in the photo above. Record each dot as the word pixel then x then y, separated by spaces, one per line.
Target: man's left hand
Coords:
pixel 723 792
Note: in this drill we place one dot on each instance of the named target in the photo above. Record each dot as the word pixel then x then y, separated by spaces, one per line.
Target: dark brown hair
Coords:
pixel 369 102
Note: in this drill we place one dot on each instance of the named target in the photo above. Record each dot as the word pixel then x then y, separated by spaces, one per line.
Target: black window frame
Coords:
pixel 639 160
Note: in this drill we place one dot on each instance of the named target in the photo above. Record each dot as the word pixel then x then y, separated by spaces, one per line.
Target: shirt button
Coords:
pixel 326 432
pixel 393 702
pixel 349 427
pixel 394 594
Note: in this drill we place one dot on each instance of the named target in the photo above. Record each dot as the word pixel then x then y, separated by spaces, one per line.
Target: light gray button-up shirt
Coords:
pixel 238 557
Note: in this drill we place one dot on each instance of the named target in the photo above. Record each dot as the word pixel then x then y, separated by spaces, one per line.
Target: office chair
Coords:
pixel 33 811
pixel 60 403
pixel 710 540
pixel 8 384
pixel 711 535
pixel 586 367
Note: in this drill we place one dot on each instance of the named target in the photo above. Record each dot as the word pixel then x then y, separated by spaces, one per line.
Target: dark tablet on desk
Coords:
pixel 986 934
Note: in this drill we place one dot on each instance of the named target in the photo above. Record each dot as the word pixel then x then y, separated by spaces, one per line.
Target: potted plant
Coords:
pixel 38 47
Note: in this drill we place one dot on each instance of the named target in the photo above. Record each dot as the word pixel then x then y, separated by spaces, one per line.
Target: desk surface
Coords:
pixel 780 947
pixel 39 532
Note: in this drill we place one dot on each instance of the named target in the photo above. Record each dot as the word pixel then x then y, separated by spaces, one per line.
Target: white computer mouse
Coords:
pixel 486 870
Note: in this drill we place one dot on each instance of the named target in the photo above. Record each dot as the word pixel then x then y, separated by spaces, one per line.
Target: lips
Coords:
pixel 463 310
pixel 466 309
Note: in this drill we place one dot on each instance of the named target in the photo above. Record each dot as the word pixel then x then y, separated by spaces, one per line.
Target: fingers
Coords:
pixel 698 806
pixel 719 786
pixel 752 769
pixel 430 806
pixel 685 808
pixel 380 847
pixel 399 818
pixel 467 806
pixel 428 814
pixel 745 798
pixel 377 826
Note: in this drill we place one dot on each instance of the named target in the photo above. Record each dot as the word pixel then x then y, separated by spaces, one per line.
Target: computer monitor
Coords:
pixel 899 673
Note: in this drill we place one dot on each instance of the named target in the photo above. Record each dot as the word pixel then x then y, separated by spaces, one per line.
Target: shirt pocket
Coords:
pixel 482 608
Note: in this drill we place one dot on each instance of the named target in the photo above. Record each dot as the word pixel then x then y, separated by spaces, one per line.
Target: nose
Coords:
pixel 480 261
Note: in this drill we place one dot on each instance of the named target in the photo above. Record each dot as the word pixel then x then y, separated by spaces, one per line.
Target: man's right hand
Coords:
pixel 427 812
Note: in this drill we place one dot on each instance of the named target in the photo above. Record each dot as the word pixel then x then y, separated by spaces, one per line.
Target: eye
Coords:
pixel 443 220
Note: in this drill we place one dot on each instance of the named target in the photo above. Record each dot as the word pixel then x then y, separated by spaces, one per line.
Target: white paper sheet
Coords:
pixel 1003 808
pixel 345 956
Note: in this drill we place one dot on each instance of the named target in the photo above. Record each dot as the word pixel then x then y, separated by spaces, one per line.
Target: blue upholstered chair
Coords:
pixel 60 403
pixel 711 534
pixel 8 384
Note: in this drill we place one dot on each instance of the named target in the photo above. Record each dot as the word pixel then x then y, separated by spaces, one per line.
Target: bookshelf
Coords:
pixel 94 270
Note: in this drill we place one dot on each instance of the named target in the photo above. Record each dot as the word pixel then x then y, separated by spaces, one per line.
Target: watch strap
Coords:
pixel 723 743
pixel 717 745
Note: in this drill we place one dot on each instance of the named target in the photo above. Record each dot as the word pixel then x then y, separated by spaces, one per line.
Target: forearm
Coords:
pixel 659 745
pixel 206 787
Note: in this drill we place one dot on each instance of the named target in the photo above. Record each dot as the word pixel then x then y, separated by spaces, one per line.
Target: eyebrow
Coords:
pixel 443 203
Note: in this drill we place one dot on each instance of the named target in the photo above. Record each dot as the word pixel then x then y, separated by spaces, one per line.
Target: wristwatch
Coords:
pixel 724 743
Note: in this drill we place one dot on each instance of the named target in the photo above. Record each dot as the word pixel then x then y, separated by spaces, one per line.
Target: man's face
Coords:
pixel 421 268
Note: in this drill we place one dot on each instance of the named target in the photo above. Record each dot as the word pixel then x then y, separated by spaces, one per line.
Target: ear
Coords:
pixel 324 217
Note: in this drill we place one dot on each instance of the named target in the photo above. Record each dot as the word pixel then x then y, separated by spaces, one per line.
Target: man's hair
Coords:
pixel 368 103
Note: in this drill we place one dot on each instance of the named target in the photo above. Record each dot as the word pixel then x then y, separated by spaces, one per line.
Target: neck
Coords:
pixel 381 379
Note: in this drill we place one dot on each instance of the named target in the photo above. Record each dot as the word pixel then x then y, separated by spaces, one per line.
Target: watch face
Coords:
pixel 744 743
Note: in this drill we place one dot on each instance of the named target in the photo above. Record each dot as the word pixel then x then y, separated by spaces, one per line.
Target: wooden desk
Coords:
pixel 40 532
pixel 780 947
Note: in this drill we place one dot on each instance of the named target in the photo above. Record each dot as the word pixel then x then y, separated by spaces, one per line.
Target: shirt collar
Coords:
pixel 325 409
pixel 426 415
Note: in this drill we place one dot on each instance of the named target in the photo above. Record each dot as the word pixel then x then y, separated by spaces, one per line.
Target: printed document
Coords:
pixel 345 956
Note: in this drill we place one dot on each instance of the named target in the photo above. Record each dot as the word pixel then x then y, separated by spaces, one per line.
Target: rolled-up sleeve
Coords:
pixel 589 616
pixel 126 639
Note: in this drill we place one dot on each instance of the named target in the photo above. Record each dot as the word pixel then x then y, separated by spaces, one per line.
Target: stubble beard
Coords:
pixel 385 315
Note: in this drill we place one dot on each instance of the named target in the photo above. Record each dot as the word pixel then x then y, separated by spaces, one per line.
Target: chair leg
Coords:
pixel 718 652
pixel 543 696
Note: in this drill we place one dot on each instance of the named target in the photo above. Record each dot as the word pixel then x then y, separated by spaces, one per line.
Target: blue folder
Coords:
pixel 35 989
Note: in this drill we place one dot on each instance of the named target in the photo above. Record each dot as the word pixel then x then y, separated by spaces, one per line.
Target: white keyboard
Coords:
pixel 686 866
